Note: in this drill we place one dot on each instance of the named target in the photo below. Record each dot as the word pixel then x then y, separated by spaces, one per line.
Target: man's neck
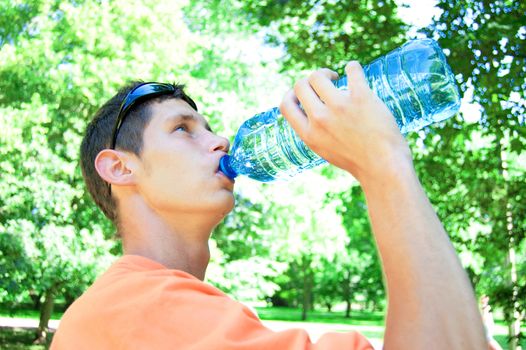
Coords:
pixel 171 253
pixel 180 242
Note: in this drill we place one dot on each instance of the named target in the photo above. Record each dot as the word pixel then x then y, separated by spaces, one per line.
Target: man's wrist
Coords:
pixel 389 171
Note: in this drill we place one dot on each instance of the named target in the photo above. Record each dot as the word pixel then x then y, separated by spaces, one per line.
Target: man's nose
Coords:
pixel 219 143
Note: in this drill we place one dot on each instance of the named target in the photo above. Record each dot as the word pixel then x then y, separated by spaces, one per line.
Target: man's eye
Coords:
pixel 181 128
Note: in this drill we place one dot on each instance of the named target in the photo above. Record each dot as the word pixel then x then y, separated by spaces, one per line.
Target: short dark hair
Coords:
pixel 130 138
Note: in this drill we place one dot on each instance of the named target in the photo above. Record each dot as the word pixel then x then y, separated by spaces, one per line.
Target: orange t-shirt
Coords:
pixel 140 304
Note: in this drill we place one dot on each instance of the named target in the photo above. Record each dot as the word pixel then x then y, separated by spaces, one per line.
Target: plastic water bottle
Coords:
pixel 414 81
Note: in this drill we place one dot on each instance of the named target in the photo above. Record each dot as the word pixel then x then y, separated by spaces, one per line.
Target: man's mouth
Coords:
pixel 220 173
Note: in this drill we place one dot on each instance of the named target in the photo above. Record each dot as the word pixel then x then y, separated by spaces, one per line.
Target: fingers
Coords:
pixel 291 110
pixel 310 101
pixel 316 93
pixel 321 82
pixel 356 80
pixel 316 90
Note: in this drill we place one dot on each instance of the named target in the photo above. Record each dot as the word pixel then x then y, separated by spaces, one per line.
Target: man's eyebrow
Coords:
pixel 190 118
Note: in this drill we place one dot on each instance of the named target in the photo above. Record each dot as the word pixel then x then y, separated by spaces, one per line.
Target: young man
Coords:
pixel 152 166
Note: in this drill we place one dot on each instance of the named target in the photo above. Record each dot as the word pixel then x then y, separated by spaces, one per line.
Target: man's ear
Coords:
pixel 115 167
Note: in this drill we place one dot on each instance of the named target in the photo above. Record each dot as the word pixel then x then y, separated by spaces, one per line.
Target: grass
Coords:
pixel 26 311
pixel 370 324
pixel 20 339
pixel 358 318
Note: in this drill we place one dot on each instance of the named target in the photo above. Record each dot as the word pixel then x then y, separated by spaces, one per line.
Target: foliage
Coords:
pixel 306 243
pixel 313 34
pixel 361 261
pixel 473 172
pixel 75 54
pixel 41 248
pixel 481 190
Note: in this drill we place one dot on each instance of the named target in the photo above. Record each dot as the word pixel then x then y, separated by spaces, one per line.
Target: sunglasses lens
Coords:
pixel 141 92
pixel 137 95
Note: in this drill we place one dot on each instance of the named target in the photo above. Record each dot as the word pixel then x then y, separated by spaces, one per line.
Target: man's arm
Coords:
pixel 431 304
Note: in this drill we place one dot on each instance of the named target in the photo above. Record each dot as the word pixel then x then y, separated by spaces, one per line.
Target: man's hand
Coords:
pixel 351 129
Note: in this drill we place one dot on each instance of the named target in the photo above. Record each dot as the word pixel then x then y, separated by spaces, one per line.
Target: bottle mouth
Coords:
pixel 224 166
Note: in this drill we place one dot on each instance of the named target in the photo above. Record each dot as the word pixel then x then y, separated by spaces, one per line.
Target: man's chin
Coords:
pixel 231 205
pixel 226 206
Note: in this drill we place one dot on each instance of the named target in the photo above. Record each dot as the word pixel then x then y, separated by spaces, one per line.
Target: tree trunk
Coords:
pixel 514 328
pixel 46 311
pixel 329 307
pixel 514 325
pixel 311 292
pixel 68 301
pixel 347 294
pixel 36 299
pixel 348 309
pixel 306 289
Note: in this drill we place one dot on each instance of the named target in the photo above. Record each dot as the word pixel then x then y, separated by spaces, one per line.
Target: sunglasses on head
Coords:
pixel 139 94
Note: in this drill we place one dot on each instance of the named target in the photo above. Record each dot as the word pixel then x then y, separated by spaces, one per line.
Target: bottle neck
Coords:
pixel 224 166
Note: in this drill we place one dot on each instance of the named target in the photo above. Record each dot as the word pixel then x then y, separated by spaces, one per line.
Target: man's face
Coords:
pixel 178 166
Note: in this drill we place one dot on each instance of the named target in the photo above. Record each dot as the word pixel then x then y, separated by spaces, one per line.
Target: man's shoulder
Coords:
pixel 122 295
pixel 133 282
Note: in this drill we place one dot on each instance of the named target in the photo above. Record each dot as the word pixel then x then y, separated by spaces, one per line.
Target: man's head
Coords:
pixel 164 152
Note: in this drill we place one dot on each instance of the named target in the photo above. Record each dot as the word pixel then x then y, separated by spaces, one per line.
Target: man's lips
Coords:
pixel 220 173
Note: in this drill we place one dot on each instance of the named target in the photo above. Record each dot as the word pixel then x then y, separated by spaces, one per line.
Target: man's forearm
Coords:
pixel 431 302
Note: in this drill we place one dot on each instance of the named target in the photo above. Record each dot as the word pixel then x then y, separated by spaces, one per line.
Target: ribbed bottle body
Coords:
pixel 266 148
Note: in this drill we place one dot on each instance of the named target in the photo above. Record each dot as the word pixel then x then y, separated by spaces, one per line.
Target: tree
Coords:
pixel 473 172
pixel 361 264
pixel 482 164
pixel 47 255
pixel 60 60
pixel 243 261
pixel 311 35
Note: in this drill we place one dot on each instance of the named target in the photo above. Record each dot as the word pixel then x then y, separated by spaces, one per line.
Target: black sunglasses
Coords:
pixel 139 94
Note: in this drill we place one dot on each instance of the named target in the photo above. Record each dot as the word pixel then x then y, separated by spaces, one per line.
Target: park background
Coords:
pixel 297 251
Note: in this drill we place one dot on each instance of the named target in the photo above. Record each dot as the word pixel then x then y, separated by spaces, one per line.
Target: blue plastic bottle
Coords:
pixel 414 81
